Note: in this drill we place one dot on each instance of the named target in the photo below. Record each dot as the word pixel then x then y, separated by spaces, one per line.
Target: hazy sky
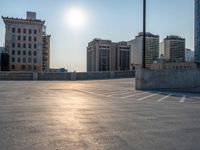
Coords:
pixel 117 20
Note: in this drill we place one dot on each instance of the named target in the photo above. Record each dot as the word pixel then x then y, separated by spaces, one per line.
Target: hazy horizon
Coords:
pixel 115 20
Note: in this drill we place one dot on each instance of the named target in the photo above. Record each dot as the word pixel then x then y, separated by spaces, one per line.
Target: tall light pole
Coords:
pixel 144 33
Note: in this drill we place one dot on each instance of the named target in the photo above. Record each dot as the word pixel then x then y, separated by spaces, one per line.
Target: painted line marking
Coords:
pixel 133 95
pixel 182 100
pixel 112 92
pixel 87 92
pixel 160 100
pixel 119 94
pixel 143 98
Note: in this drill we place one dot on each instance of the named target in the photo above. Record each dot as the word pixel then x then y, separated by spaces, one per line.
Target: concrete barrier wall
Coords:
pixel 16 76
pixel 167 79
pixel 93 75
pixel 65 76
pixel 54 76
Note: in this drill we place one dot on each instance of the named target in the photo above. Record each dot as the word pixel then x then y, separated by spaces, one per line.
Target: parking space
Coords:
pixel 103 114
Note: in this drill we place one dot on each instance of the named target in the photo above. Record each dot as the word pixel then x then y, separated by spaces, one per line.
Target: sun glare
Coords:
pixel 76 18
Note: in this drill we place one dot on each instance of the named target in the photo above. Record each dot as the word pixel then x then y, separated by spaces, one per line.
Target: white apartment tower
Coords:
pixel 24 42
pixel 152 49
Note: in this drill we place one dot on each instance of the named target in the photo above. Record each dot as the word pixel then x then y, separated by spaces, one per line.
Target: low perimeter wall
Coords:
pixel 65 76
pixel 167 79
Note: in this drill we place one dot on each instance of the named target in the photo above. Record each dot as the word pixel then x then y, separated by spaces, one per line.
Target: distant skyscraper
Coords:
pixel 161 50
pixel 2 49
pixel 197 31
pixel 24 43
pixel 120 56
pixel 104 55
pixel 174 49
pixel 189 55
pixel 152 49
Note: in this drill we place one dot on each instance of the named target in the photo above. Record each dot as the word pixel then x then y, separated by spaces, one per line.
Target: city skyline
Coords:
pixel 68 43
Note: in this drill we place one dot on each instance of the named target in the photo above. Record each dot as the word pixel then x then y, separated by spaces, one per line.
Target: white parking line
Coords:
pixel 143 98
pixel 182 100
pixel 133 95
pixel 119 94
pixel 84 91
pixel 112 92
pixel 160 100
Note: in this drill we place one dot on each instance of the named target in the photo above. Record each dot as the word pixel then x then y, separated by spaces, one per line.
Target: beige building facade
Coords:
pixel 174 49
pixel 105 55
pixel 24 43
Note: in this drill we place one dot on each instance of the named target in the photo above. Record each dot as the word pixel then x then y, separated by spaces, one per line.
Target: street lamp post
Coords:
pixel 144 33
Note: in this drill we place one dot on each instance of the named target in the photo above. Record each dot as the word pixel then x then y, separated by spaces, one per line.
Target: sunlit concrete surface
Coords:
pixel 104 114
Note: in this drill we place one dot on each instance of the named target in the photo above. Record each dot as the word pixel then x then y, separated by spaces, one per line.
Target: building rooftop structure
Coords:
pixel 174 37
pixel 23 20
pixel 148 34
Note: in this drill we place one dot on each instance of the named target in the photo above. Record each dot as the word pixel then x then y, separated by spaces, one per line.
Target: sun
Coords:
pixel 76 18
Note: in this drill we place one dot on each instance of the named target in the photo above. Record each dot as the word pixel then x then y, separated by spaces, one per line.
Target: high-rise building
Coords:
pixel 46 51
pixel 104 55
pixel 120 56
pixel 24 42
pixel 152 49
pixel 161 50
pixel 189 55
pixel 4 62
pixel 197 31
pixel 174 49
pixel 2 49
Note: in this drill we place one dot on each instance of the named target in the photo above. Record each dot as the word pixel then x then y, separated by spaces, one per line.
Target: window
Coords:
pixel 13 30
pixel 13 44
pixel 35 31
pixel 29 45
pixel 13 67
pixel 29 60
pixel 29 31
pixel 24 45
pixel 18 52
pixel 13 52
pixel 30 38
pixel 29 53
pixel 24 31
pixel 34 53
pixel 29 67
pixel 19 38
pixel 23 67
pixel 19 30
pixel 24 52
pixel 19 45
pixel 24 38
pixel 35 60
pixel 13 37
pixel 13 59
pixel 35 39
pixel 35 68
pixel 18 60
pixel 35 46
pixel 24 60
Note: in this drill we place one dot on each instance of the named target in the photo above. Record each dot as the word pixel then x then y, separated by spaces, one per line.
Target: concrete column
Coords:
pixel 139 77
pixel 112 74
pixel 73 76
pixel 35 76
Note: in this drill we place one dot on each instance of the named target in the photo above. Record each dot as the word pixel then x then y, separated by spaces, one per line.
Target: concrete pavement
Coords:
pixel 104 114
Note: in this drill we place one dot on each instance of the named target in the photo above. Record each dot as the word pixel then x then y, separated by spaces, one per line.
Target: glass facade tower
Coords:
pixel 197 31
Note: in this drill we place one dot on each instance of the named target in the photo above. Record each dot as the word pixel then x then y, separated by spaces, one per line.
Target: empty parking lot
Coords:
pixel 103 114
